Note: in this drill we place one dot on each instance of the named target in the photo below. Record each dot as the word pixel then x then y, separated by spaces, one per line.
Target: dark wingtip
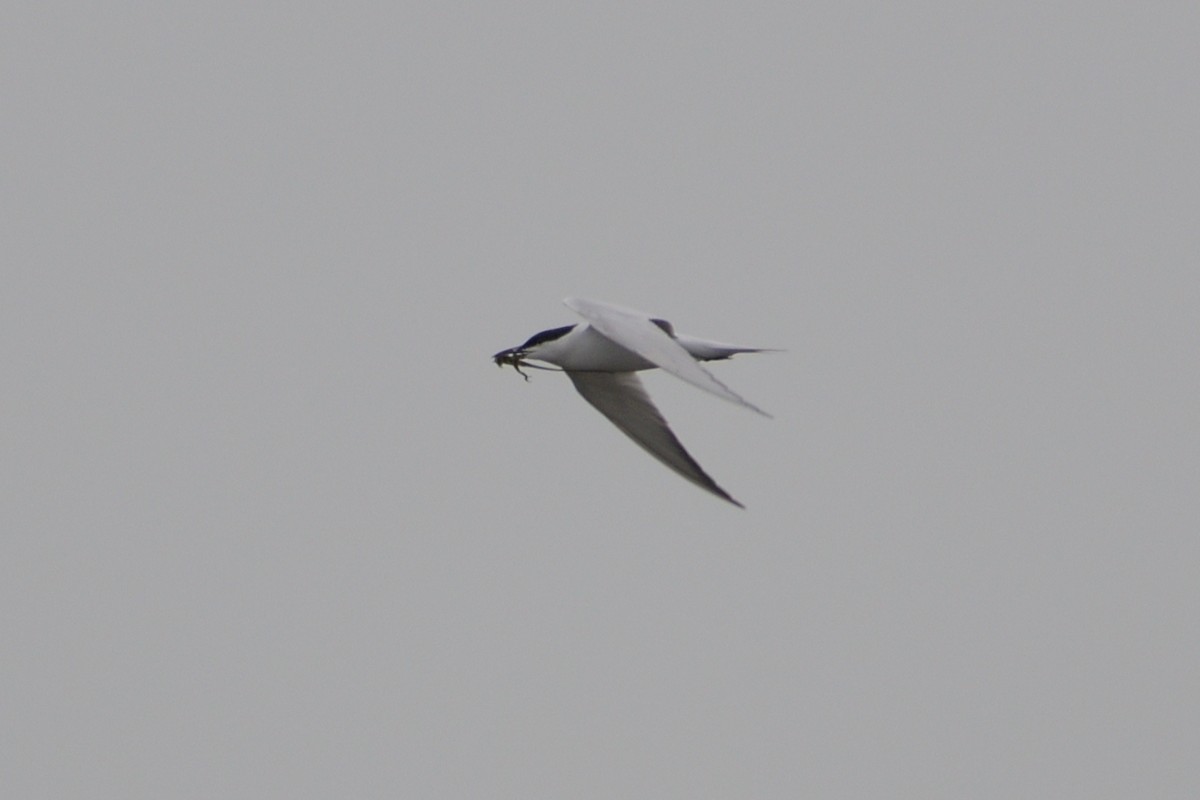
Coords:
pixel 726 496
pixel 718 491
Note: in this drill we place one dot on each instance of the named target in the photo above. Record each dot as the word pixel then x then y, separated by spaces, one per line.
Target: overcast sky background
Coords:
pixel 274 525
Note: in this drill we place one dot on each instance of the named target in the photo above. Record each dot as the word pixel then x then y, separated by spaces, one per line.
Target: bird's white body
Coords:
pixel 585 348
pixel 588 349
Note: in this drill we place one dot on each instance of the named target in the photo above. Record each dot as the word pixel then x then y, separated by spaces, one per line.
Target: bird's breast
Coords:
pixel 587 349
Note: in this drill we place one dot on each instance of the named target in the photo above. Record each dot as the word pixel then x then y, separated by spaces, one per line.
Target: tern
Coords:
pixel 602 357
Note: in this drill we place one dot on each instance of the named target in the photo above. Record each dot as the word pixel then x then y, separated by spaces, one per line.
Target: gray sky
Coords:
pixel 274 526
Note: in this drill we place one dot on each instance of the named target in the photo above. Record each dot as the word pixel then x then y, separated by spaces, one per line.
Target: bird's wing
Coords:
pixel 635 331
pixel 621 397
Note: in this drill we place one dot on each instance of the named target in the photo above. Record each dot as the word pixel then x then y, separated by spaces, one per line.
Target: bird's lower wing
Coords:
pixel 621 397
pixel 635 331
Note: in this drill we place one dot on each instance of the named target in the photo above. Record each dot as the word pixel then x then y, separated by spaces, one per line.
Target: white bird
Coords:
pixel 602 358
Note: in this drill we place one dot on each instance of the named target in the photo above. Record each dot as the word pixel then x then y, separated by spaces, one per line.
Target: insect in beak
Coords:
pixel 512 358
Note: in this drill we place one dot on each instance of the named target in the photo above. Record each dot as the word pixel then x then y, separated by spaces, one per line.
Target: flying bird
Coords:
pixel 602 357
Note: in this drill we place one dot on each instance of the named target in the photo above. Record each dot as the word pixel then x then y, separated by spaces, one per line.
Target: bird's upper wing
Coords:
pixel 635 331
pixel 620 397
